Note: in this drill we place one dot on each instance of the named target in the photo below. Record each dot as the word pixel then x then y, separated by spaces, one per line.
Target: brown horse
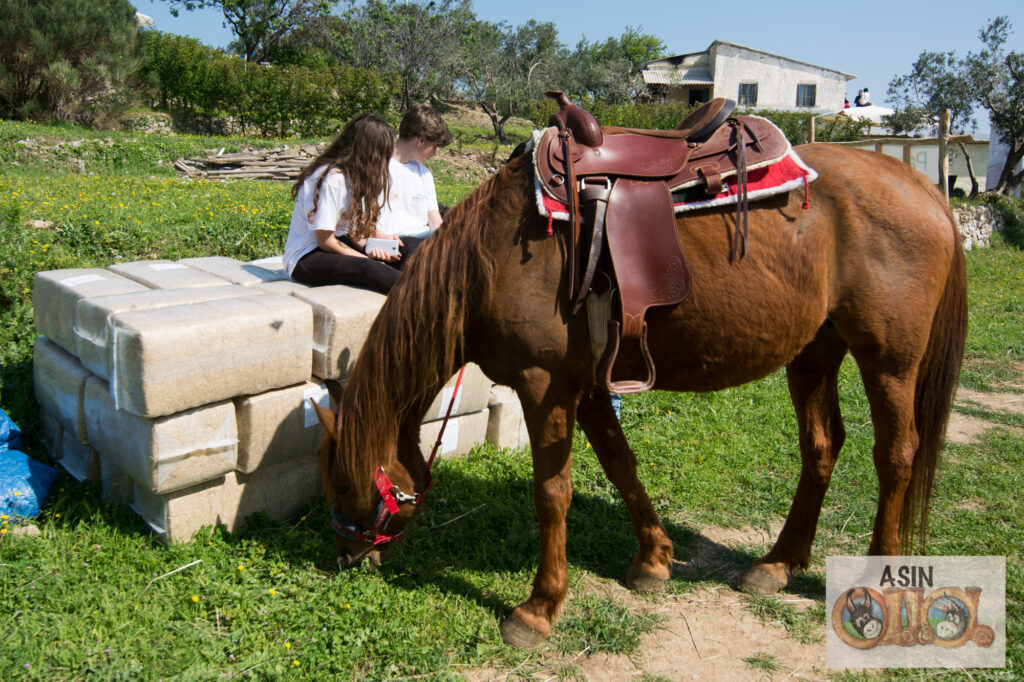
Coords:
pixel 873 267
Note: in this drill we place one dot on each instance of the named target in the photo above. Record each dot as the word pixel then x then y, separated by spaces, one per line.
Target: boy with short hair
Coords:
pixel 411 208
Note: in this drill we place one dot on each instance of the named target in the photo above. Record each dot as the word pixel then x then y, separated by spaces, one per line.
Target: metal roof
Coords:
pixel 667 77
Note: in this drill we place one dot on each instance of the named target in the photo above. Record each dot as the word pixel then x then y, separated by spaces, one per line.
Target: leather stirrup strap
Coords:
pixel 594 203
pixel 572 203
pixel 742 204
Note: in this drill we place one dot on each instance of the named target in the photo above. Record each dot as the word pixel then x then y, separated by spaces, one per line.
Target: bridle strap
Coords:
pixel 390 495
pixel 440 435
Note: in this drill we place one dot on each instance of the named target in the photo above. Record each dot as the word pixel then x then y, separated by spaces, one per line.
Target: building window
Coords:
pixel 748 95
pixel 806 95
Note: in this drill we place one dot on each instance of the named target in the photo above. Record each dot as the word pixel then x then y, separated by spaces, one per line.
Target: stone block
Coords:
pixel 165 274
pixel 473 395
pixel 279 425
pixel 461 435
pixel 235 271
pixel 166 360
pixel 56 293
pixel 342 316
pixel 506 427
pixel 278 491
pixel 59 381
pixel 93 331
pixel 166 453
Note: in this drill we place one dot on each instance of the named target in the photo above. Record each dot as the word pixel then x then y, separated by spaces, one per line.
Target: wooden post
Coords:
pixel 944 153
pixel 810 126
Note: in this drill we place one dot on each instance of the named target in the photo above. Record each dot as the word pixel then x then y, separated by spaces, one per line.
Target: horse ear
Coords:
pixel 327 417
pixel 334 388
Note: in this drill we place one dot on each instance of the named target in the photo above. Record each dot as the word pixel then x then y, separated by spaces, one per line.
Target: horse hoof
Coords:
pixel 638 581
pixel 760 581
pixel 517 634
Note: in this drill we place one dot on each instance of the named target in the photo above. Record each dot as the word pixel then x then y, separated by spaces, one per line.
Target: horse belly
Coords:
pixel 742 320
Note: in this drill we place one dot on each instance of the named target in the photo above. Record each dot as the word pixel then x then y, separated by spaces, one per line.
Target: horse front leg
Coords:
pixel 651 566
pixel 549 407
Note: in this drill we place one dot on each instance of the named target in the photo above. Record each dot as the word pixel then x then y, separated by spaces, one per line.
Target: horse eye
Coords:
pixel 342 490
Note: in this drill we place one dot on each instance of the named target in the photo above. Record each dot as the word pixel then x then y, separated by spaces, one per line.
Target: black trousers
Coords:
pixel 320 268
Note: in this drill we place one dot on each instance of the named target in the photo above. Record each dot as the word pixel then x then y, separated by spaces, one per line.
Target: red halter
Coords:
pixel 390 495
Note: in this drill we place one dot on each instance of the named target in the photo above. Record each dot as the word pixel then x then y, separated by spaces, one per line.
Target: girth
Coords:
pixel 618 183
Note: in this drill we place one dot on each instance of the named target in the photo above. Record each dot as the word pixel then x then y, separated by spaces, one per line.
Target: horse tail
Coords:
pixel 937 379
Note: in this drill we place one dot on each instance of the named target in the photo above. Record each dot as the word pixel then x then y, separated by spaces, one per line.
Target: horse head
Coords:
pixel 369 509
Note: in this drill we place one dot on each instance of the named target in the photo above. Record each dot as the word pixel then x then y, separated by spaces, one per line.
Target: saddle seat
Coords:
pixel 620 181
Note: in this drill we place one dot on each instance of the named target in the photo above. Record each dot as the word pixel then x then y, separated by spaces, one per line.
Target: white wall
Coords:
pixel 776 77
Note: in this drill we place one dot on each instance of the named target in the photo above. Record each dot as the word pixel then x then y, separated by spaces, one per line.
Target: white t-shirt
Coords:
pixel 332 203
pixel 412 196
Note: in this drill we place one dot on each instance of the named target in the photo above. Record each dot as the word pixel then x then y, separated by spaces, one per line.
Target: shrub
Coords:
pixel 66 60
pixel 275 100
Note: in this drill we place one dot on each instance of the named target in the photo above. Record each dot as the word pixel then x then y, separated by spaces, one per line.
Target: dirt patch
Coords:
pixel 965 429
pixel 707 634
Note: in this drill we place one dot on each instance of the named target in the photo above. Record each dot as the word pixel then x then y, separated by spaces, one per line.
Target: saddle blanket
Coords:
pixel 786 173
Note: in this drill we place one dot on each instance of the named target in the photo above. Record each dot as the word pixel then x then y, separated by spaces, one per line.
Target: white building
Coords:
pixel 755 79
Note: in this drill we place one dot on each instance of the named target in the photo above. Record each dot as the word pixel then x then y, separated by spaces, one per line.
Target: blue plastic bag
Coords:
pixel 24 484
pixel 10 434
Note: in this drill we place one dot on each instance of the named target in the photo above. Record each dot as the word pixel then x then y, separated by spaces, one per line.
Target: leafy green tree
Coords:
pixel 416 42
pixel 66 59
pixel 505 69
pixel 610 71
pixel 258 25
pixel 992 79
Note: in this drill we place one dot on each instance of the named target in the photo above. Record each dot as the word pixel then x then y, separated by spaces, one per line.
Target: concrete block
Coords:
pixel 278 491
pixel 506 427
pixel 473 395
pixel 81 461
pixel 342 316
pixel 279 425
pixel 167 453
pixel 165 274
pixel 59 385
pixel 56 293
pixel 49 433
pixel 166 360
pixel 93 331
pixel 116 483
pixel 234 271
pixel 272 263
pixel 461 435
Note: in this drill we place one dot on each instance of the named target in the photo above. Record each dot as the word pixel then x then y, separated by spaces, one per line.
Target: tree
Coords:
pixel 504 70
pixel 415 41
pixel 258 25
pixel 992 79
pixel 66 59
pixel 611 71
pixel 998 77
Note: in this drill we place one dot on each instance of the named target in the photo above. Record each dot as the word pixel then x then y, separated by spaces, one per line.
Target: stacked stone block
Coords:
pixel 185 387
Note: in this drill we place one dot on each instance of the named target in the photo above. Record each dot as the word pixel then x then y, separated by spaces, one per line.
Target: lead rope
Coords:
pixel 440 435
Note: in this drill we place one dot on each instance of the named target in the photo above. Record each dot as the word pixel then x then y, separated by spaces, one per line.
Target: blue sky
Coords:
pixel 874 40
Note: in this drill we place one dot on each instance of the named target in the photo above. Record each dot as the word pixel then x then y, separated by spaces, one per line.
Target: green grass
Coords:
pixel 89 597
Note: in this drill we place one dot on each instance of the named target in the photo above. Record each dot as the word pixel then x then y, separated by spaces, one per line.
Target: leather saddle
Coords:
pixel 617 183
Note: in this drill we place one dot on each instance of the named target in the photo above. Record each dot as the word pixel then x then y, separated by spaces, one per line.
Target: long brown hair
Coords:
pixel 361 151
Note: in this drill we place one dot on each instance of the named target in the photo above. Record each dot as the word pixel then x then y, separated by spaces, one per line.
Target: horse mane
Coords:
pixel 417 341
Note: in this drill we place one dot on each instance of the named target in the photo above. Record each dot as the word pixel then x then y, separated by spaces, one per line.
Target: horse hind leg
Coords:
pixel 651 566
pixel 813 379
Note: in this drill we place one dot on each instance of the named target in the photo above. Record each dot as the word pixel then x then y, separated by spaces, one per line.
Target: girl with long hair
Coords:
pixel 338 200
